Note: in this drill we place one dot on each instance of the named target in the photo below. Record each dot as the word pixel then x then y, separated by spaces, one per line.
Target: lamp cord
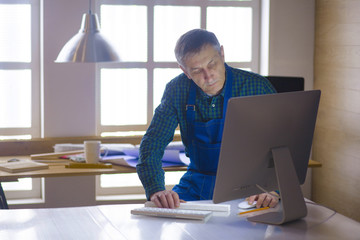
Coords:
pixel 89 6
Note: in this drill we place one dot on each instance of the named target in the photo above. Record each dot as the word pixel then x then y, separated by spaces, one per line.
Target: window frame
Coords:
pixel 35 67
pixel 36 192
pixel 150 65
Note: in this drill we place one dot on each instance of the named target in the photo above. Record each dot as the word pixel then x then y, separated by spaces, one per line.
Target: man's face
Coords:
pixel 206 69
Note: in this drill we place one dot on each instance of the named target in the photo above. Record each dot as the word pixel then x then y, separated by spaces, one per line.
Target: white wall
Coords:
pixel 292 39
pixel 69 99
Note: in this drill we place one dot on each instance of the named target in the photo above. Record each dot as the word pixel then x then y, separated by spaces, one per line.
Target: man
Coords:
pixel 196 101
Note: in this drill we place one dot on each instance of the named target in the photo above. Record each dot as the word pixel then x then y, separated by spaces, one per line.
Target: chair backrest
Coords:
pixel 287 84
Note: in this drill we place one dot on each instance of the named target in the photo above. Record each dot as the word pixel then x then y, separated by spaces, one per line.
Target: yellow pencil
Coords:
pixel 253 210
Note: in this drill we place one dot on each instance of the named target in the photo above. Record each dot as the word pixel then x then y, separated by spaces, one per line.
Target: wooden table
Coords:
pixel 57 169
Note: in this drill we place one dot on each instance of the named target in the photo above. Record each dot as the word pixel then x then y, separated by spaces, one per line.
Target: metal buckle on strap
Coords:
pixel 192 107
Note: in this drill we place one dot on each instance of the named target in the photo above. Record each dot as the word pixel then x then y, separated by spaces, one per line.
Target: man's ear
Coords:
pixel 222 52
pixel 185 72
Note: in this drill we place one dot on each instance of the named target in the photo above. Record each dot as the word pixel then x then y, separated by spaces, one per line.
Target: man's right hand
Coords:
pixel 166 199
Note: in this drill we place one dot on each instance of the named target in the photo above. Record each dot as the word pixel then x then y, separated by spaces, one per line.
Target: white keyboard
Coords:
pixel 173 213
pixel 198 206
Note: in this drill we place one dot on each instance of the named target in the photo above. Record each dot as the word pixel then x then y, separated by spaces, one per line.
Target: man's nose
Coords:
pixel 207 74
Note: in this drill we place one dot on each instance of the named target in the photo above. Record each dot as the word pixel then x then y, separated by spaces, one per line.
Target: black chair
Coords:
pixel 287 84
pixel 3 202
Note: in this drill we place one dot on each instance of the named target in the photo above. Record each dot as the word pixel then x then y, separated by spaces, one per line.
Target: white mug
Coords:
pixel 92 151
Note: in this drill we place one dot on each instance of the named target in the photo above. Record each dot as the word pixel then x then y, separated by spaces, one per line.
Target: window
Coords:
pixel 20 81
pixel 145 33
pixel 19 69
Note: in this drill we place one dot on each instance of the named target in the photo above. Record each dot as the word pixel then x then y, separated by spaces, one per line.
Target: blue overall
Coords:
pixel 204 148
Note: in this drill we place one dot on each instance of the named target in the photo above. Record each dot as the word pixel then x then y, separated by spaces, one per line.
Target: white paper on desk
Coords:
pixel 131 161
pixel 175 156
pixel 184 158
pixel 122 160
pixel 132 152
pixel 176 145
pixel 170 156
pixel 22 165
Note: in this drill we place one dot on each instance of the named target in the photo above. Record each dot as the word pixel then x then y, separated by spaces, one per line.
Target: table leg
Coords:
pixel 3 202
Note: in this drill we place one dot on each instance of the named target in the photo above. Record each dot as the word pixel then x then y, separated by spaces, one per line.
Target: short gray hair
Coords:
pixel 193 41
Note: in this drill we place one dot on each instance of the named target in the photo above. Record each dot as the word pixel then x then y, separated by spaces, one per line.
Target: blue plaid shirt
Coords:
pixel 171 112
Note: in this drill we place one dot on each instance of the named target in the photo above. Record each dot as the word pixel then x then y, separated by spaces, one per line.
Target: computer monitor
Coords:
pixel 287 84
pixel 266 144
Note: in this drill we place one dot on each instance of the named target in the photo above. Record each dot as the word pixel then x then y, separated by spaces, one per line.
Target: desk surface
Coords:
pixel 116 222
pixel 57 169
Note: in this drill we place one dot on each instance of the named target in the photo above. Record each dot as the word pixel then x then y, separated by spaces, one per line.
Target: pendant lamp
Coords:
pixel 88 45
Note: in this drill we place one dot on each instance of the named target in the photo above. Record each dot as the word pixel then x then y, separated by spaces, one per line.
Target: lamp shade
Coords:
pixel 88 45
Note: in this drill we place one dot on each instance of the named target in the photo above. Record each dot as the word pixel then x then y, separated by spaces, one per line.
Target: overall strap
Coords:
pixel 228 93
pixel 190 106
pixel 228 88
pixel 190 111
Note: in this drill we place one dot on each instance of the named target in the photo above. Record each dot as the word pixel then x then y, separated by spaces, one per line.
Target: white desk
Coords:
pixel 116 222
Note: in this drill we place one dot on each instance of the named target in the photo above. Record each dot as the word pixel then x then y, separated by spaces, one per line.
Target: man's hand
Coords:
pixel 264 200
pixel 166 199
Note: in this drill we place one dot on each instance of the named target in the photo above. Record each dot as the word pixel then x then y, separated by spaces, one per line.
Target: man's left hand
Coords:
pixel 264 200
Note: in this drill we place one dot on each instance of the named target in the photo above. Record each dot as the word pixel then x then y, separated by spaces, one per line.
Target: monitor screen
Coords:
pixel 262 135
